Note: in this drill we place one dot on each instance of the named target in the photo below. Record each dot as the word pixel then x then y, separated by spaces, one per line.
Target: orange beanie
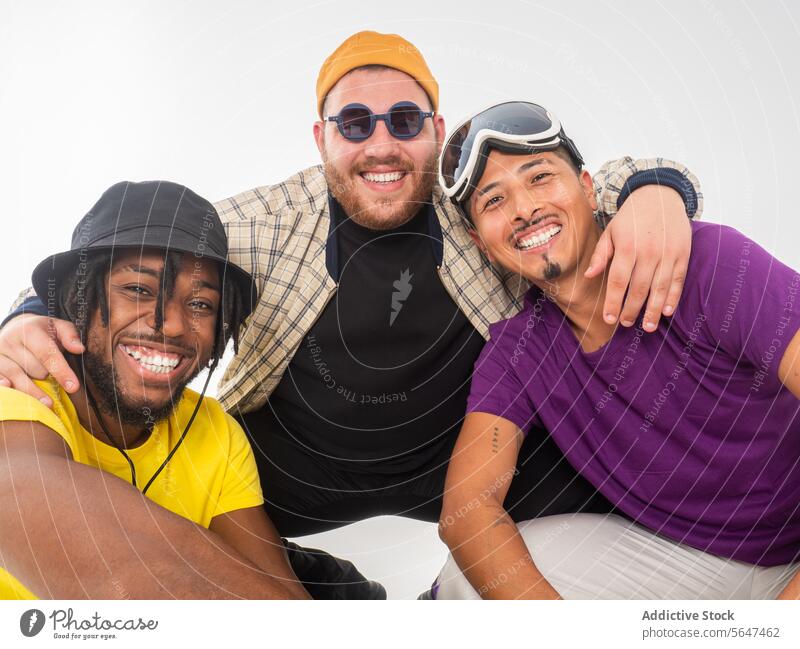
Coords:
pixel 373 48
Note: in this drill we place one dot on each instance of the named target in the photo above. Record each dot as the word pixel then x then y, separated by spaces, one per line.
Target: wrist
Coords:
pixel 657 194
pixel 670 180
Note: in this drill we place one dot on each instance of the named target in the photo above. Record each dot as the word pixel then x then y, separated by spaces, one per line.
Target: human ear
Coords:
pixel 319 137
pixel 588 189
pixel 476 238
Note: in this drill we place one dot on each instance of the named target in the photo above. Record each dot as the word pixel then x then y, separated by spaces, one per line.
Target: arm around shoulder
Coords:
pixel 617 179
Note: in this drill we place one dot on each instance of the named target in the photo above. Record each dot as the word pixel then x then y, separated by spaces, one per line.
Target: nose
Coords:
pixel 525 206
pixel 381 144
pixel 174 323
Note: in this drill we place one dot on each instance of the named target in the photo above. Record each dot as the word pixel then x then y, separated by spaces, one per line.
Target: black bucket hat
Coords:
pixel 152 214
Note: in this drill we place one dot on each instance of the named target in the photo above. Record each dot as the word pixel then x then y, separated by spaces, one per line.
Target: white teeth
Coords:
pixel 384 178
pixel 154 363
pixel 158 369
pixel 539 239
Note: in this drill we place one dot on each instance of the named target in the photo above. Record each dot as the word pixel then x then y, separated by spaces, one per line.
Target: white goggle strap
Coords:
pixel 547 138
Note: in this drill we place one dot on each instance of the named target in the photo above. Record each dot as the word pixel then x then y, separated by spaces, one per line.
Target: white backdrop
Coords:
pixel 220 97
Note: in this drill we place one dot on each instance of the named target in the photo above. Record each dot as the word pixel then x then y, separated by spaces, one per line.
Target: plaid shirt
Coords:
pixel 279 233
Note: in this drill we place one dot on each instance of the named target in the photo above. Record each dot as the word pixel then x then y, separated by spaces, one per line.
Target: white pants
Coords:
pixel 599 556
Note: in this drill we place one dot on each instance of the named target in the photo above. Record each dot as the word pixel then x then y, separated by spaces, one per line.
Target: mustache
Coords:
pixel 395 162
pixel 532 222
pixel 160 341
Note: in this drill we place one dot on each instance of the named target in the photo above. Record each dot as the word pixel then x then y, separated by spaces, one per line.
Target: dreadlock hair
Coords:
pixel 83 289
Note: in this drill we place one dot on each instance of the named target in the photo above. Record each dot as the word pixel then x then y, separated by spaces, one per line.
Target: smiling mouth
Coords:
pixel 539 238
pixel 154 361
pixel 384 178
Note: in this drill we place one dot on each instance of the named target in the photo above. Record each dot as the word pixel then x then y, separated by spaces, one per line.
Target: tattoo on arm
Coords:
pixel 502 519
pixel 505 519
pixel 495 440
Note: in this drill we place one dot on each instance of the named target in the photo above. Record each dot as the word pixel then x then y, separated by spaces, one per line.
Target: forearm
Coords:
pixel 493 556
pixel 254 536
pixel 274 561
pixel 72 531
pixel 276 564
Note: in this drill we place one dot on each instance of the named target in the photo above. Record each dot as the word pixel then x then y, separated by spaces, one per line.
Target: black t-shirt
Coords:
pixel 381 379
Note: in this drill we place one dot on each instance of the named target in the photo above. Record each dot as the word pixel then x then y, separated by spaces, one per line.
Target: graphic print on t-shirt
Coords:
pixel 402 289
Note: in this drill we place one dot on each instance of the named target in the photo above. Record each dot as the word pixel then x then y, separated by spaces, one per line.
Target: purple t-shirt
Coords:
pixel 688 430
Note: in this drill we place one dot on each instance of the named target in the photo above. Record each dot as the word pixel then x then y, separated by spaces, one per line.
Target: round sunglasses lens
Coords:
pixel 405 121
pixel 356 122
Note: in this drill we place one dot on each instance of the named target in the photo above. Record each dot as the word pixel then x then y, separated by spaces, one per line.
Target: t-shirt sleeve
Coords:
pixel 496 388
pixel 241 487
pixel 750 299
pixel 18 406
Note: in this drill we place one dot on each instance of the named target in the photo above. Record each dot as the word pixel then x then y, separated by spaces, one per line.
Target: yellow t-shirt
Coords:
pixel 212 473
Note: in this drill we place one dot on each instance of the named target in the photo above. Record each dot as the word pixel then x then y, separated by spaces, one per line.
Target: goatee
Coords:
pixel 111 400
pixel 381 214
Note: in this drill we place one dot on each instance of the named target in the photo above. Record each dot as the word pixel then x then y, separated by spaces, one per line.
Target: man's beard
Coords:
pixel 373 214
pixel 111 400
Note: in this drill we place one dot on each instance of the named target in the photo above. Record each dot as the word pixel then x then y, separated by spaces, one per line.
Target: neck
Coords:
pixel 581 299
pixel 107 428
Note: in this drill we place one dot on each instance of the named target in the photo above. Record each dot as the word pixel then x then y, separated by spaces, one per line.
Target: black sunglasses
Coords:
pixel 356 122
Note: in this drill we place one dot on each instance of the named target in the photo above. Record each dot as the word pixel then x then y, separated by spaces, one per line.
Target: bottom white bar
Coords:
pixel 399 624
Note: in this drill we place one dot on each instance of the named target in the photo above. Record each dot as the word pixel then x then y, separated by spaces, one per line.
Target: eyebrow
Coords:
pixel 204 284
pixel 144 270
pixel 531 163
pixel 152 272
pixel 521 169
pixel 487 188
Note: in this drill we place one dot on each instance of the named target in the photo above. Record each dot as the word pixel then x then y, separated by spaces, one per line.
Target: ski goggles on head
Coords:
pixel 511 127
pixel 356 122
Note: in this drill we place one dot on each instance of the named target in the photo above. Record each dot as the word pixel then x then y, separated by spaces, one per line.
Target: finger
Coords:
pixel 639 289
pixel 44 357
pixel 25 359
pixel 19 380
pixel 603 252
pixel 676 286
pixel 56 366
pixel 67 335
pixel 658 295
pixel 619 276
pixel 25 344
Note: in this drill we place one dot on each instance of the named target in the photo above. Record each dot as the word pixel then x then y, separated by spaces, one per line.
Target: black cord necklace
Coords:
pixel 174 449
pixel 111 440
